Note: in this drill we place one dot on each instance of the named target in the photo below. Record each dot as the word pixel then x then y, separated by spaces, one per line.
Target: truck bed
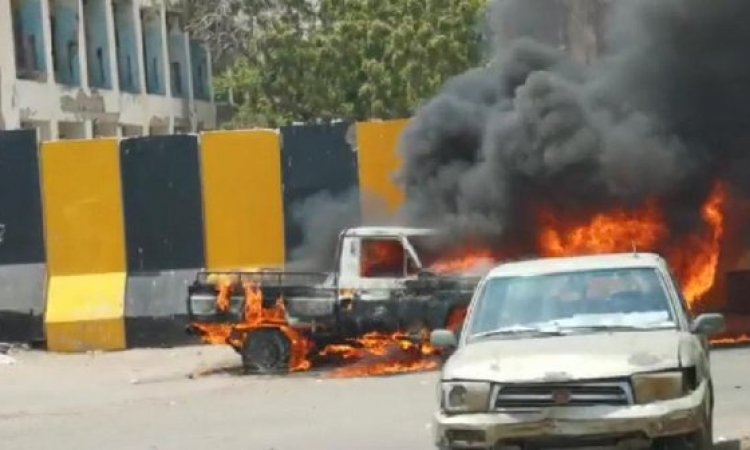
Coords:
pixel 311 301
pixel 204 292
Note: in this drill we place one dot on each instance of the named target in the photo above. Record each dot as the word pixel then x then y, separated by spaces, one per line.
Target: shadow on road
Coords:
pixel 731 445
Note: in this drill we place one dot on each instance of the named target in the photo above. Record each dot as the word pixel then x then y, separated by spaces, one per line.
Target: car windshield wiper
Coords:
pixel 618 327
pixel 519 330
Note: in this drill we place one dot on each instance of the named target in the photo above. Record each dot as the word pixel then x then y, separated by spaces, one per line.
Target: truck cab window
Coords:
pixel 382 258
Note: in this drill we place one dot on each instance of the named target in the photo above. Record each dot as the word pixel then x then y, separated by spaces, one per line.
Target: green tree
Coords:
pixel 350 59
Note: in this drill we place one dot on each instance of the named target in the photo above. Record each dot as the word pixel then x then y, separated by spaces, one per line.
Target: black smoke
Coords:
pixel 663 114
pixel 322 217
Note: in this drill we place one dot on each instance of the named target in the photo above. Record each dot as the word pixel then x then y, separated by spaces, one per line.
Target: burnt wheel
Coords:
pixel 266 352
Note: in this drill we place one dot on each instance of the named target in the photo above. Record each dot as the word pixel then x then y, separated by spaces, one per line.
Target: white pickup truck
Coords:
pixel 584 352
pixel 382 282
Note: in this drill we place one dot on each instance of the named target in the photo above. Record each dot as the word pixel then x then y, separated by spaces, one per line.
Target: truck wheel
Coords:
pixel 266 351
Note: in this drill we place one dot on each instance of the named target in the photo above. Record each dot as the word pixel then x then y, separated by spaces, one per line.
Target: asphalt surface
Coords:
pixel 145 399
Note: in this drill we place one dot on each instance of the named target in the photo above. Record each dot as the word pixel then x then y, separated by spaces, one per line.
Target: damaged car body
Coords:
pixel 381 283
pixel 580 352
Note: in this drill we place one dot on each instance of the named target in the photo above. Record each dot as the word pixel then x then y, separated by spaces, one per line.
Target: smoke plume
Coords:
pixel 323 216
pixel 663 114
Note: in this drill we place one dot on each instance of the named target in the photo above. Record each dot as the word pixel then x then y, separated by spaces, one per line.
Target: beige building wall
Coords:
pixel 62 111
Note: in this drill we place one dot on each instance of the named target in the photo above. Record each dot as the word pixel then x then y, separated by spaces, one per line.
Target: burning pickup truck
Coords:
pixel 386 281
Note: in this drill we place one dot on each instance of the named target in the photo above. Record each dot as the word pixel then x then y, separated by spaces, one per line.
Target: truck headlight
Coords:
pixel 655 387
pixel 465 397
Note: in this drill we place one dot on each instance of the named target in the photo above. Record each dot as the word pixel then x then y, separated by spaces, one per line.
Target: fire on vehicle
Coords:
pixel 389 289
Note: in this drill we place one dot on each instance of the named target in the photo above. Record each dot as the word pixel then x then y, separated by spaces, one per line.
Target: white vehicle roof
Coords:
pixel 387 231
pixel 545 266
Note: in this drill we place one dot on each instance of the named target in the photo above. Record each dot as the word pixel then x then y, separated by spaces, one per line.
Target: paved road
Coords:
pixel 144 400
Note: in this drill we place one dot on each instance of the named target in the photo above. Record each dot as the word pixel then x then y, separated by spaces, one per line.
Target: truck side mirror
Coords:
pixel 443 339
pixel 708 324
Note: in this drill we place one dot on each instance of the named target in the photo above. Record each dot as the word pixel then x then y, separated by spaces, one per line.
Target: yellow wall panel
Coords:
pixel 83 207
pixel 377 149
pixel 85 312
pixel 242 199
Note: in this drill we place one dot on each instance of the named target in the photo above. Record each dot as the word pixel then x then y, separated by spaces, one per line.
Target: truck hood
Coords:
pixel 565 358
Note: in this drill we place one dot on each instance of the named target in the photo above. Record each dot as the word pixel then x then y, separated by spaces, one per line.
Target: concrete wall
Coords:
pixel 85 241
pixel 121 226
pixel 64 21
pixel 97 43
pixel 22 251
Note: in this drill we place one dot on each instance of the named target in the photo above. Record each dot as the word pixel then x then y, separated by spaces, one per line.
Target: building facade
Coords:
pixel 102 68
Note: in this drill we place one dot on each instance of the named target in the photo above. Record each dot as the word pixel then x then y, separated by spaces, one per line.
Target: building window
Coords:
pixel 176 78
pixel 129 76
pixel 100 62
pixel 27 31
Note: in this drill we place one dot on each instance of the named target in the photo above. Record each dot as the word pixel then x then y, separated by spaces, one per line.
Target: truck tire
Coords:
pixel 266 352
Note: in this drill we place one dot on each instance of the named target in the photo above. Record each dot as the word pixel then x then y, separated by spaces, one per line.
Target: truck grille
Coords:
pixel 564 394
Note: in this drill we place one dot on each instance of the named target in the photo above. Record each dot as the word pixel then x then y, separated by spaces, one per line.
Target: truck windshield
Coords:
pixel 427 248
pixel 584 300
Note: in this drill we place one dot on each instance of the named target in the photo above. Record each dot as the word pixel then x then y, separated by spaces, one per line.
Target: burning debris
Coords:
pixel 257 321
pixel 372 315
pixel 372 354
pixel 381 354
pixel 694 258
pixel 538 155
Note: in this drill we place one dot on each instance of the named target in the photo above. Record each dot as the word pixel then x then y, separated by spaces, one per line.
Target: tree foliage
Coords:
pixel 312 60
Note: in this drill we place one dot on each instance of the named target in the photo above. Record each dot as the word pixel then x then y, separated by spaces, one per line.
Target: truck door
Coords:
pixel 375 263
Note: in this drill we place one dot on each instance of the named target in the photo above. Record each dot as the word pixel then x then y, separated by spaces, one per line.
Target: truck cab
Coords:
pixel 370 259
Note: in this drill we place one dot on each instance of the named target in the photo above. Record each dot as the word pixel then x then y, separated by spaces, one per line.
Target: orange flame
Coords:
pixel 373 354
pixel 462 263
pixel 214 334
pixel 456 319
pixel 743 339
pixel 696 261
pixel 383 354
pixel 695 258
pixel 616 231
pixel 381 256
pixel 222 302
pixel 256 317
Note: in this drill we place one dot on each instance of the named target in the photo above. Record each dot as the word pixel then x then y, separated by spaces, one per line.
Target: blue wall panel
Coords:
pixel 163 202
pixel 22 255
pixel 315 159
pixel 163 205
pixel 20 199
